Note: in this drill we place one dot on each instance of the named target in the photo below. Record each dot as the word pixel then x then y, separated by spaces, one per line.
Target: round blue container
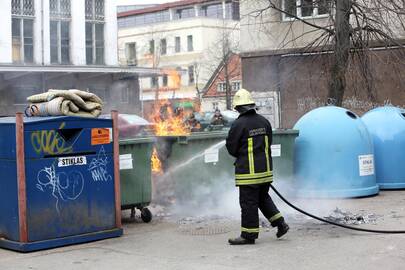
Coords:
pixel 334 155
pixel 387 128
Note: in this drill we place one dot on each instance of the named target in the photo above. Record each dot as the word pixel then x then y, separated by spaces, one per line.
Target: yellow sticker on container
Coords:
pixel 100 136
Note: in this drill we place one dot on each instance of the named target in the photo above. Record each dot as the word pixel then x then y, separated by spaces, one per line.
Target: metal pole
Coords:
pixel 117 187
pixel 22 195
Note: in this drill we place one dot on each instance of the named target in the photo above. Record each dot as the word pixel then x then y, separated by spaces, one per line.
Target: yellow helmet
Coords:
pixel 242 97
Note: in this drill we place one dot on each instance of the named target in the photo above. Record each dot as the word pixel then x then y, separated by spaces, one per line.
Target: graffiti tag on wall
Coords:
pixel 63 186
pixel 50 142
pixel 98 167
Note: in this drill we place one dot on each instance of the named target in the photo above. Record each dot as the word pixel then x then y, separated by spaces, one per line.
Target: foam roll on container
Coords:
pixel 387 128
pixel 60 181
pixel 334 155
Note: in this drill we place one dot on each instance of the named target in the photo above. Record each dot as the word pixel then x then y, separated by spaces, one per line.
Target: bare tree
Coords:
pixel 351 30
pixel 220 54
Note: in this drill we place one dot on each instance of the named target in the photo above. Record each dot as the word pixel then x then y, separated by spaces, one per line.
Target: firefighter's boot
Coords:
pixel 282 229
pixel 241 241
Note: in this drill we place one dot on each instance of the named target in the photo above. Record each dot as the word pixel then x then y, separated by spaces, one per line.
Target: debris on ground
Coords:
pixel 348 218
pixel 204 225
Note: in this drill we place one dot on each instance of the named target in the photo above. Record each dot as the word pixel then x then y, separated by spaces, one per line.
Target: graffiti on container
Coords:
pixel 98 167
pixel 63 186
pixel 50 142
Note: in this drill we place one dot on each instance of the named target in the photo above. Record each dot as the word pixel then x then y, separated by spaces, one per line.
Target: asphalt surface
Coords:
pixel 187 242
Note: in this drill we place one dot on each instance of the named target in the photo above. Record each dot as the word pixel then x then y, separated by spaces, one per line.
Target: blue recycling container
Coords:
pixel 333 155
pixel 57 186
pixel 387 128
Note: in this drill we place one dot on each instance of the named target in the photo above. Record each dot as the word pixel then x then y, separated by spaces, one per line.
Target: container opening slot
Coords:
pixel 69 134
pixel 351 115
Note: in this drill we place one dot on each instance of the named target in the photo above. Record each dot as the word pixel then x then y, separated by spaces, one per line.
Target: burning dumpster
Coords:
pixel 389 143
pixel 59 184
pixel 199 163
pixel 334 155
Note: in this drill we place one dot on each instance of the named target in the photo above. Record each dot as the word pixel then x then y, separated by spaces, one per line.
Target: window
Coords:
pixel 305 8
pixel 212 11
pixel 165 80
pixel 221 87
pixel 23 31
pixel 177 45
pixel 191 75
pixel 60 15
pixel 232 10
pixel 143 19
pixel 184 13
pixel 130 52
pixel 235 85
pixel 94 32
pixel 214 106
pixel 154 82
pixel 163 46
pixel 151 46
pixel 190 47
pixel 124 95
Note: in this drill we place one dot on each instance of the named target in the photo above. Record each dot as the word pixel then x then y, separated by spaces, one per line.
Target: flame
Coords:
pixel 167 122
pixel 156 163
pixel 174 78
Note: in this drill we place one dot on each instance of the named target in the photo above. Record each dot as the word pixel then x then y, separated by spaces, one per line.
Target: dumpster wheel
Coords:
pixel 146 215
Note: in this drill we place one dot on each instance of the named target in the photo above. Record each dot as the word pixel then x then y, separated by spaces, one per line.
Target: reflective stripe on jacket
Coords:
pixel 249 141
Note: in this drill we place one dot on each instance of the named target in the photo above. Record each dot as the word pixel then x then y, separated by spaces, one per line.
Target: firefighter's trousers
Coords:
pixel 252 198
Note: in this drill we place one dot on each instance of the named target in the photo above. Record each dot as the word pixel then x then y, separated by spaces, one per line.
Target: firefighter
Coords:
pixel 249 141
pixel 192 123
pixel 218 119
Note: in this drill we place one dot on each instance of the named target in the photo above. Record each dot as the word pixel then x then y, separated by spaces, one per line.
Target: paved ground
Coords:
pixel 201 243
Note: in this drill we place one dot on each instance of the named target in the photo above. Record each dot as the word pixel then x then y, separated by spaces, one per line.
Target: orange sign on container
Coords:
pixel 100 136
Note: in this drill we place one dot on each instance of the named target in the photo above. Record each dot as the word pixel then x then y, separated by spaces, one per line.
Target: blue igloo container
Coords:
pixel 334 155
pixel 386 126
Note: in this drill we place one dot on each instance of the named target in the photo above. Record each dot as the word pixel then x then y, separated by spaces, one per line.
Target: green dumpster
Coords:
pixel 135 174
pixel 197 165
pixel 282 151
pixel 201 168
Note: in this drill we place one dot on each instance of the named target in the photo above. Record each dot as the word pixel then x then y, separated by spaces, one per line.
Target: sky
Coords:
pixel 142 2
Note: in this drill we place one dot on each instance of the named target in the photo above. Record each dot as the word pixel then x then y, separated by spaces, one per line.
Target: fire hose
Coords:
pixel 331 222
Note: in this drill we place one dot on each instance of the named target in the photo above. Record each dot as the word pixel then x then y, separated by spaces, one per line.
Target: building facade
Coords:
pixel 214 96
pixel 184 38
pixel 276 61
pixel 62 44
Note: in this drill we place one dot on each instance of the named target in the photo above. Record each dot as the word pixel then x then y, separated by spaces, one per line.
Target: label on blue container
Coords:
pixel 72 161
pixel 366 165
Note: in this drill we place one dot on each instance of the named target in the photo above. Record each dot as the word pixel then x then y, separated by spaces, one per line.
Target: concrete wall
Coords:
pixel 108 87
pixel 302 82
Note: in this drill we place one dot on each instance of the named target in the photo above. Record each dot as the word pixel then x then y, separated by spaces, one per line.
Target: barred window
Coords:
pixel 22 31
pixel 22 7
pixel 60 9
pixel 60 13
pixel 94 10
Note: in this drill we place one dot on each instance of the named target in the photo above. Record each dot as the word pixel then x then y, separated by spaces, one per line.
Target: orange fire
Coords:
pixel 167 122
pixel 156 163
pixel 174 78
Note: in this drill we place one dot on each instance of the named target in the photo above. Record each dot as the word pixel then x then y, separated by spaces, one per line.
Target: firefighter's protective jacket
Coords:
pixel 249 141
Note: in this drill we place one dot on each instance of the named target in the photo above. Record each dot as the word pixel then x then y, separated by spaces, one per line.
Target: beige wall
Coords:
pixel 207 34
pixel 268 31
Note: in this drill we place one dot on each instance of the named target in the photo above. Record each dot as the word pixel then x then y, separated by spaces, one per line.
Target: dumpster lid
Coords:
pixel 11 119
